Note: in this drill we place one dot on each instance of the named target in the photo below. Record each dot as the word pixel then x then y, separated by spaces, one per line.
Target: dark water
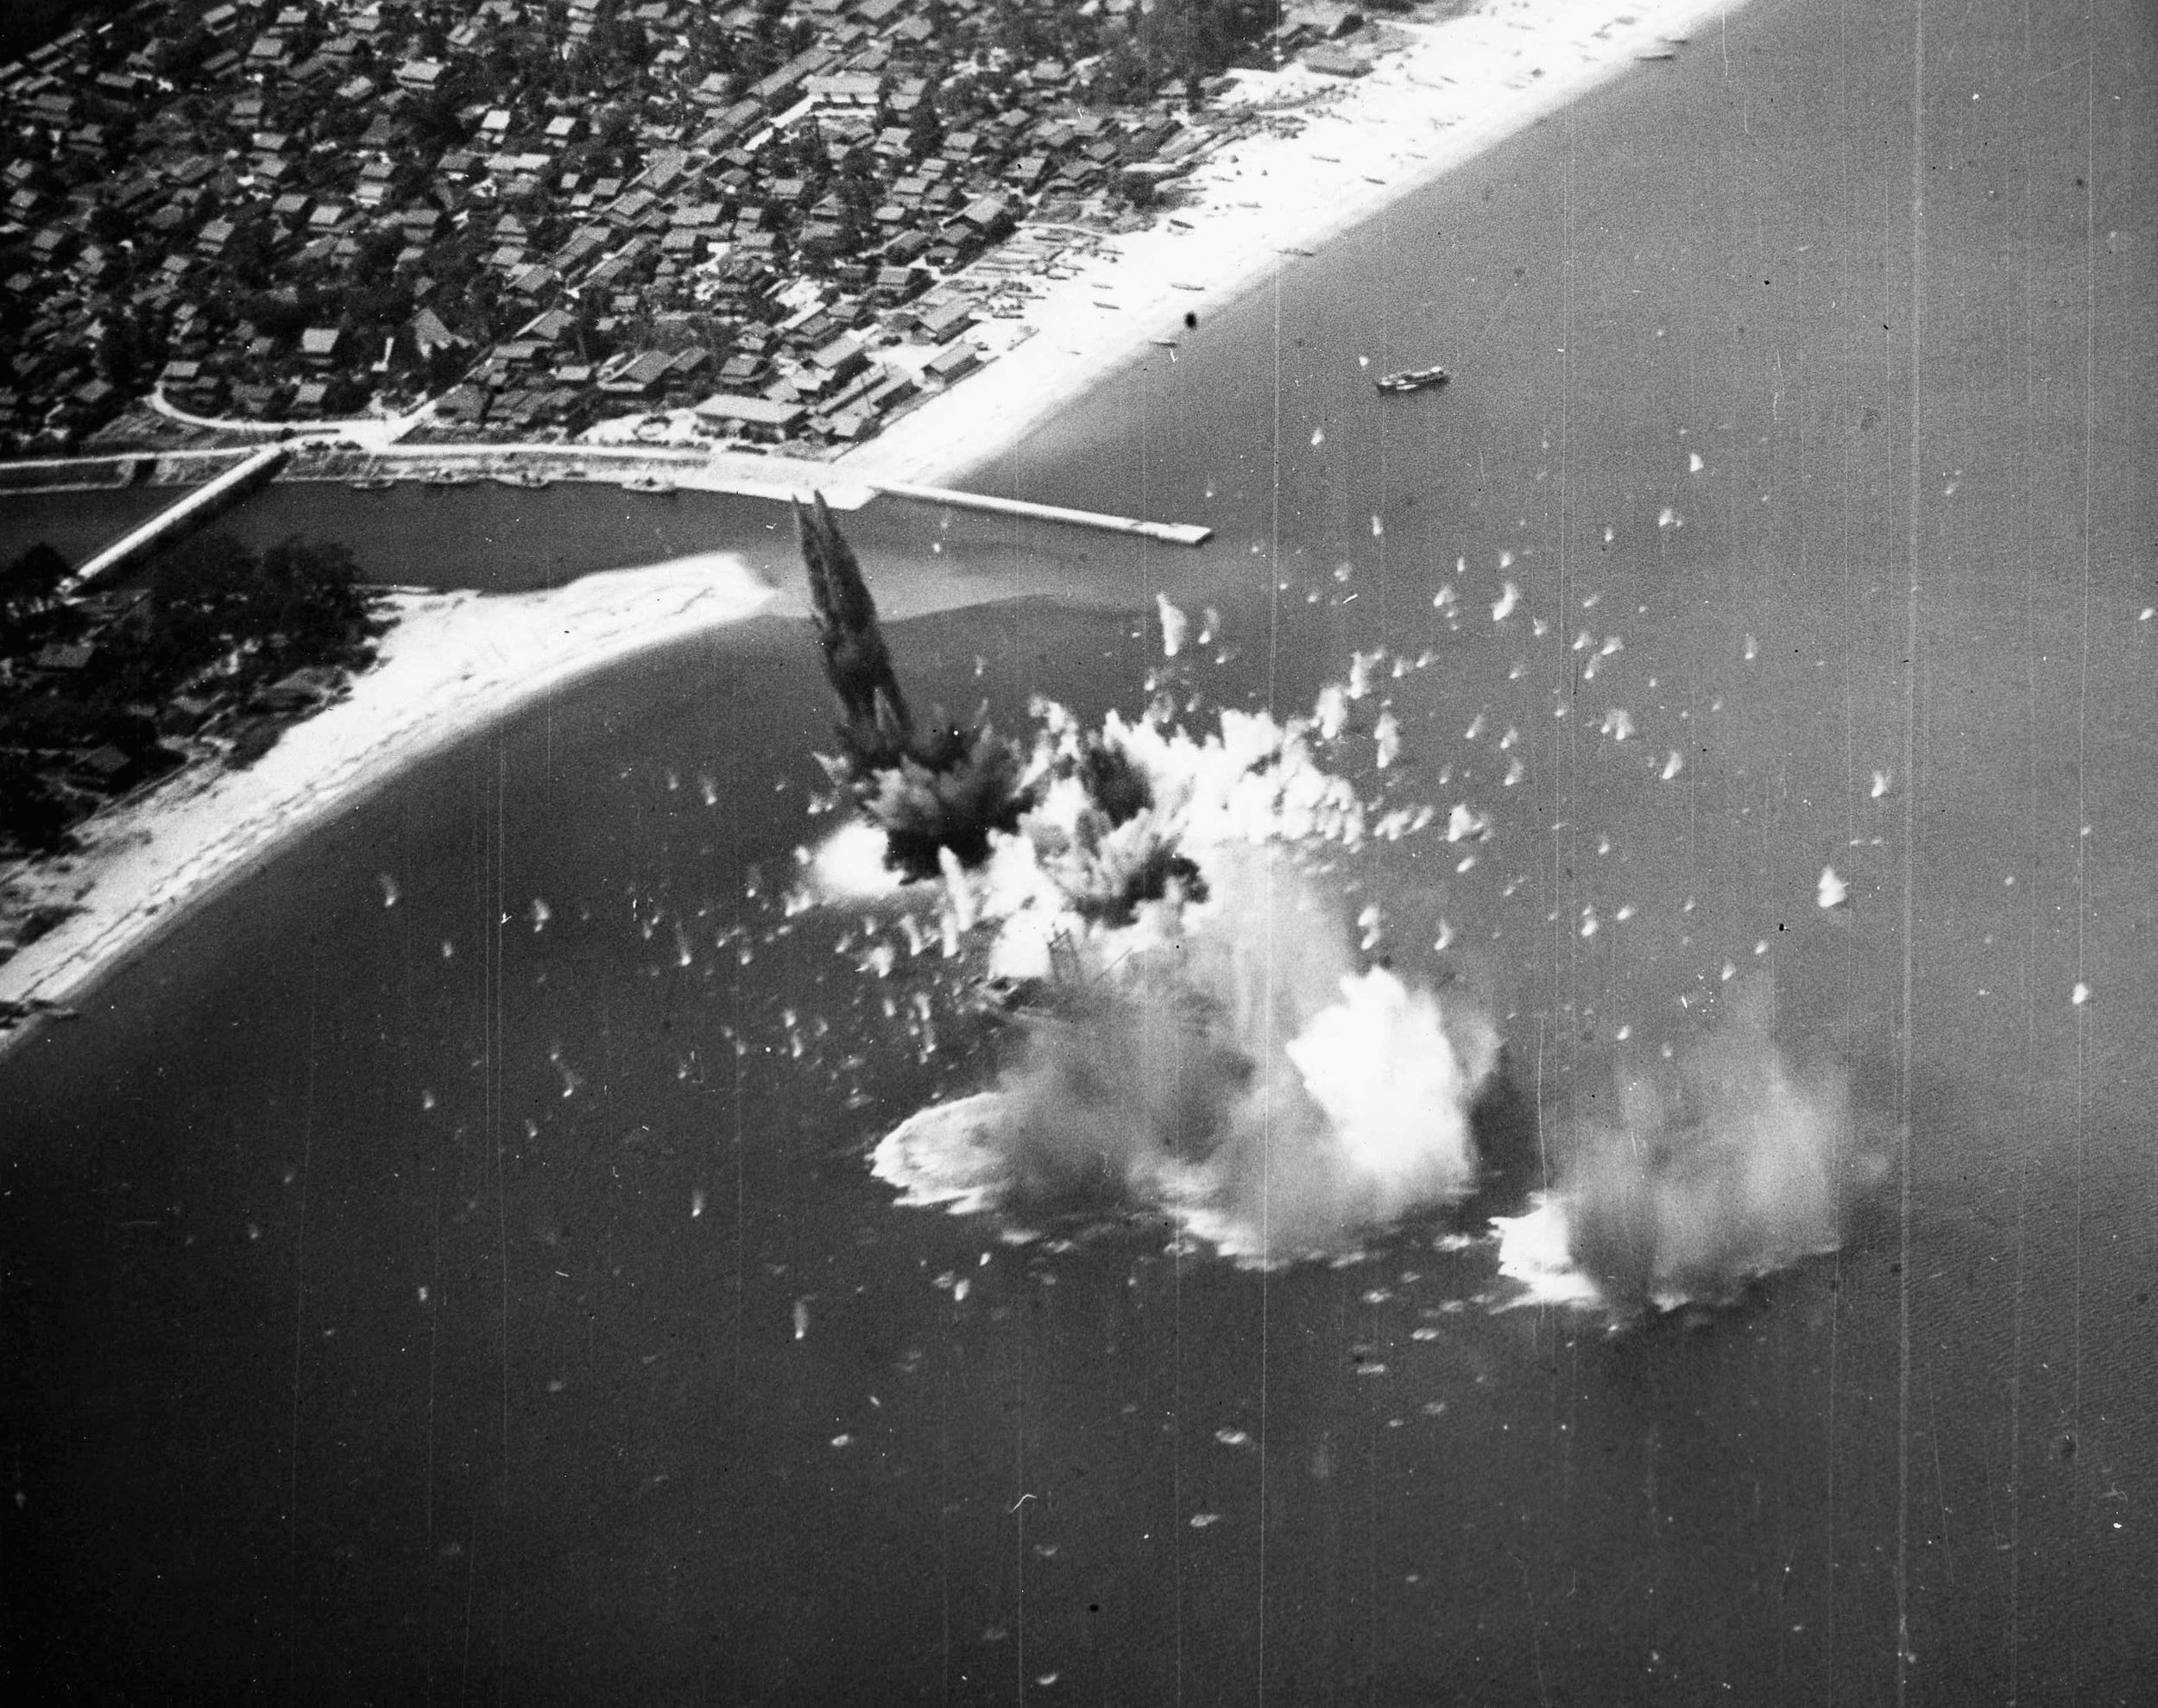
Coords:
pixel 74 524
pixel 501 539
pixel 421 1300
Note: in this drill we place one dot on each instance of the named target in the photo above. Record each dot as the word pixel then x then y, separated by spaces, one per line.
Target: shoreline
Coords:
pixel 319 460
pixel 454 663
pixel 1438 94
pixel 1455 89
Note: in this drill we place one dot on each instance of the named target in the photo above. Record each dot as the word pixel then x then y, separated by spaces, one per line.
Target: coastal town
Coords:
pixel 1088 850
pixel 845 246
pixel 771 226
pixel 776 224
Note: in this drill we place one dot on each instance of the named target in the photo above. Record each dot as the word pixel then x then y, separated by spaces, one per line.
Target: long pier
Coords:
pixel 1175 533
pixel 191 512
pixel 756 477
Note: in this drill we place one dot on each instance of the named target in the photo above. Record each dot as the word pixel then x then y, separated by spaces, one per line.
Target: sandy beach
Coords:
pixel 1455 89
pixel 465 1255
pixel 453 663
pixel 456 663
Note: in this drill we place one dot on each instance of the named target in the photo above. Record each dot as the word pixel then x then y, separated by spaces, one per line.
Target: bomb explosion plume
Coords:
pixel 1225 1062
pixel 1192 1030
pixel 1194 1033
pixel 944 787
pixel 856 661
pixel 1726 1165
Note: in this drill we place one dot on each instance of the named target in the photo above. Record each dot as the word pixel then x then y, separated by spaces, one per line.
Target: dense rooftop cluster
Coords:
pixel 544 213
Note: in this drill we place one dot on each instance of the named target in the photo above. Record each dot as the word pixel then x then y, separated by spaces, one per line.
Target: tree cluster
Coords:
pixel 26 24
pixel 244 619
pixel 1137 53
pixel 218 623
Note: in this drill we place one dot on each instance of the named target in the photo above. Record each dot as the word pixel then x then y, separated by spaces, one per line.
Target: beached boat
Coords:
pixel 520 477
pixel 371 483
pixel 1411 380
pixel 452 477
pixel 648 483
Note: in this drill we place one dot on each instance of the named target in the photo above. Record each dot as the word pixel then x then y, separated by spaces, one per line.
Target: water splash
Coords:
pixel 1175 624
pixel 1195 1030
pixel 1227 1063
pixel 1191 1027
pixel 1727 1164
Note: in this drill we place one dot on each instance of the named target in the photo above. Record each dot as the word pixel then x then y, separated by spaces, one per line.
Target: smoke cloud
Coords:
pixel 1197 1034
pixel 1227 1062
pixel 1727 1164
pixel 933 789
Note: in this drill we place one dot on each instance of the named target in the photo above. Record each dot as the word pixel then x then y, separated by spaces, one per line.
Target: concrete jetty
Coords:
pixel 639 467
pixel 666 466
pixel 1175 533
pixel 192 512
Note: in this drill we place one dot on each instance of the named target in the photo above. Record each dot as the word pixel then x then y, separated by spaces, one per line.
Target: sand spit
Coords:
pixel 453 663
pixel 1328 153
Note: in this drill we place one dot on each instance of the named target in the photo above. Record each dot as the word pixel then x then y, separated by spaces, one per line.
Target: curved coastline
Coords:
pixel 453 663
pixel 1455 90
pixel 456 663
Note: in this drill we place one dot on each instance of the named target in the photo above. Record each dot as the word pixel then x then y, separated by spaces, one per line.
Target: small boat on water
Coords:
pixel 371 483
pixel 520 477
pixel 1411 380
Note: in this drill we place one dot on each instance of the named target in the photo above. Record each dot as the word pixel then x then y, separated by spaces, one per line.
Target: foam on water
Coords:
pixel 1227 1063
pixel 1201 1031
pixel 1207 1041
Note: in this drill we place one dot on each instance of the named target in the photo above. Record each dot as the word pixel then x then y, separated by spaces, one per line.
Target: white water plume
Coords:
pixel 1726 1165
pixel 1175 624
pixel 1199 1034
pixel 1227 1062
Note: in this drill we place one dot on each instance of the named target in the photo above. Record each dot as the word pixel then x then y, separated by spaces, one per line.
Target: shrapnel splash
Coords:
pixel 1201 1032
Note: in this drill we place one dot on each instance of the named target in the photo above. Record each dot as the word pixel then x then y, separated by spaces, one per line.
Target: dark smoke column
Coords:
pixel 856 661
pixel 945 787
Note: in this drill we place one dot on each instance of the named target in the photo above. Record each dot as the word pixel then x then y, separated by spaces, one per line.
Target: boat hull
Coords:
pixel 1415 379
